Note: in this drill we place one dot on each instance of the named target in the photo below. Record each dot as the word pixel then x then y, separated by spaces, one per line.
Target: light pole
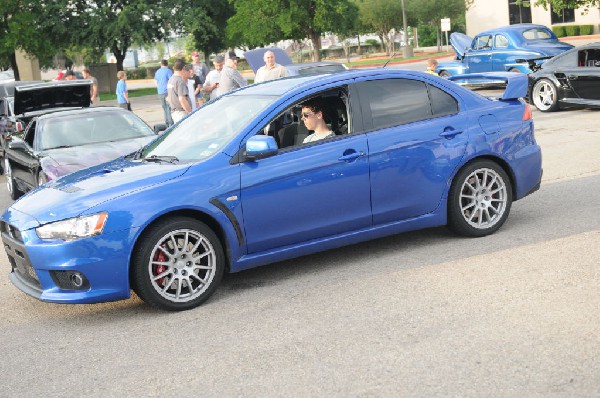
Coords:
pixel 407 50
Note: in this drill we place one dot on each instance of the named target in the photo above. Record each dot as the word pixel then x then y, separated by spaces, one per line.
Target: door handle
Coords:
pixel 449 132
pixel 350 156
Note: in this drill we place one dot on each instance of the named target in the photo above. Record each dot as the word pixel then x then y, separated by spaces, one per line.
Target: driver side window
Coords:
pixel 290 129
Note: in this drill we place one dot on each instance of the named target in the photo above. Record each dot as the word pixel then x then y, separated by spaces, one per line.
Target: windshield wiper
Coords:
pixel 160 158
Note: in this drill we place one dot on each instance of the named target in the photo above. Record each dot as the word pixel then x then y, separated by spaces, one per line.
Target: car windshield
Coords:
pixel 91 128
pixel 209 128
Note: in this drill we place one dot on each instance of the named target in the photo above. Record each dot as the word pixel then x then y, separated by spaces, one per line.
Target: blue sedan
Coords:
pixel 501 49
pixel 237 184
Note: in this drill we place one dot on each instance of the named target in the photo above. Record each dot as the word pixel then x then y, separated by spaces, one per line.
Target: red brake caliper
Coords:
pixel 158 269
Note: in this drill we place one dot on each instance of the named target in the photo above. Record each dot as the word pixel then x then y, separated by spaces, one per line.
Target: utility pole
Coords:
pixel 407 50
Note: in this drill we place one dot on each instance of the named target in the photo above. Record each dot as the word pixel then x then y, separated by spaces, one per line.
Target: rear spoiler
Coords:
pixel 516 83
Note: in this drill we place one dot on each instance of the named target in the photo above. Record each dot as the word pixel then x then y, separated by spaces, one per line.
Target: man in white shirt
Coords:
pixel 212 79
pixel 271 70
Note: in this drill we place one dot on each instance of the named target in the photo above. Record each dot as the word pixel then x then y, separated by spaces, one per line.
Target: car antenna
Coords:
pixel 388 61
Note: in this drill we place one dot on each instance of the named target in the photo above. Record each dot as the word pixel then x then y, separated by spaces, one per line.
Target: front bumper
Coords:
pixel 89 270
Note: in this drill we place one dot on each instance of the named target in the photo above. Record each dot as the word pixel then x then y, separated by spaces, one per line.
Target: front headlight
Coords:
pixel 73 228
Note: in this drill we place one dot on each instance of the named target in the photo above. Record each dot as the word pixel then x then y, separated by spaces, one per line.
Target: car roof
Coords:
pixel 520 27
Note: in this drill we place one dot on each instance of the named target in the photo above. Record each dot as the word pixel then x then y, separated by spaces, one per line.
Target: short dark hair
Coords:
pixel 164 62
pixel 315 105
pixel 178 65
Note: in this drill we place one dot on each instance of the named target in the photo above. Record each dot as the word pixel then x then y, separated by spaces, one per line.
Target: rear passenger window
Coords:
pixel 395 101
pixel 442 103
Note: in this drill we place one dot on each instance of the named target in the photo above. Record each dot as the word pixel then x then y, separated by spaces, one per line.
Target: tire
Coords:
pixel 479 200
pixel 514 70
pixel 14 192
pixel 166 264
pixel 545 96
pixel 445 74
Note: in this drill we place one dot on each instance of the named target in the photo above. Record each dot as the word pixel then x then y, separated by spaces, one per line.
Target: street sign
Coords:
pixel 445 24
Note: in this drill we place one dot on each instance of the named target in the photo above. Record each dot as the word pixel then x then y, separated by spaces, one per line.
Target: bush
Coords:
pixel 136 73
pixel 374 44
pixel 559 31
pixel 586 29
pixel 572 30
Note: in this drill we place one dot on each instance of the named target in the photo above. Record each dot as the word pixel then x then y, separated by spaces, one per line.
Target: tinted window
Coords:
pixel 568 60
pixel 442 103
pixel 395 101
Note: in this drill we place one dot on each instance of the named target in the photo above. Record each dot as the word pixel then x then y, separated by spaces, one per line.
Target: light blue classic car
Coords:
pixel 502 49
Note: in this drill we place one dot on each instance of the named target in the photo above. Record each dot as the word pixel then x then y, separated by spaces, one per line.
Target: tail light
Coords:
pixel 527 115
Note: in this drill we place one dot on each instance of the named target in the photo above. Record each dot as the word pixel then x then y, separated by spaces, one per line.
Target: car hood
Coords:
pixel 547 47
pixel 62 161
pixel 75 193
pixel 460 42
pixel 43 96
pixel 255 57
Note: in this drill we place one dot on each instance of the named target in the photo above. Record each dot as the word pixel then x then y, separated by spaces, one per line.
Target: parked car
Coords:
pixel 20 101
pixel 255 60
pixel 216 193
pixel 58 143
pixel 568 79
pixel 501 49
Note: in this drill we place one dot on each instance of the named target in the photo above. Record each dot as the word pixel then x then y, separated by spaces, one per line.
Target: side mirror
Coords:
pixel 159 128
pixel 17 143
pixel 260 146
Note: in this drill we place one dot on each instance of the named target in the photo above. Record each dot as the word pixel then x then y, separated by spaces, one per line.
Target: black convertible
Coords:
pixel 568 79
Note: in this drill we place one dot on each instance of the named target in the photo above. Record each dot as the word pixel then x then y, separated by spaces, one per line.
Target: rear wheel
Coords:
pixel 177 264
pixel 480 199
pixel 545 96
pixel 11 185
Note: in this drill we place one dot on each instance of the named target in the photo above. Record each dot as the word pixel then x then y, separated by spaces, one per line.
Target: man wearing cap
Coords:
pixel 271 70
pixel 212 79
pixel 230 76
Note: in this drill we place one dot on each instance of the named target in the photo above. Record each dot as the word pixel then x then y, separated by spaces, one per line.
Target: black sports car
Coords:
pixel 568 79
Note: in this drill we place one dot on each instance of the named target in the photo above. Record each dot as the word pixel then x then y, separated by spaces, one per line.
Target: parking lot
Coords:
pixel 417 314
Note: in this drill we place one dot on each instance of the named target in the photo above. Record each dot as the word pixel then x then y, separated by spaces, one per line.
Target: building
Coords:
pixel 488 14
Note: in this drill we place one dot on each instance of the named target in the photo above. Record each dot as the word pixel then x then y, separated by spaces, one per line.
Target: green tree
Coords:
pixel 562 4
pixel 260 22
pixel 205 21
pixel 118 24
pixel 381 16
pixel 34 27
pixel 431 12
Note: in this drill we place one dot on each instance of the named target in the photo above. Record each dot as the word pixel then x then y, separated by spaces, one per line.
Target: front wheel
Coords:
pixel 445 74
pixel 479 200
pixel 13 190
pixel 177 264
pixel 545 96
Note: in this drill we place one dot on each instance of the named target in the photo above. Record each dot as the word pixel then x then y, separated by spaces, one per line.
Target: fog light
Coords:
pixel 70 280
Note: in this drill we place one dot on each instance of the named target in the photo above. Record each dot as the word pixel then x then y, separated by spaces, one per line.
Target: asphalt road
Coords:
pixel 421 314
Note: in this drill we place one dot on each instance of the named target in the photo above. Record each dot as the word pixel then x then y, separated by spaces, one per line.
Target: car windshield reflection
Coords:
pixel 209 129
pixel 78 130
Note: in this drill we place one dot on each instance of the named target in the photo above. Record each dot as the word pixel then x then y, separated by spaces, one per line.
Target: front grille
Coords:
pixel 17 255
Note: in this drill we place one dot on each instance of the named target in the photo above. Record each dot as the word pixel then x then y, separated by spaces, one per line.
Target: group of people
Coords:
pixel 86 74
pixel 187 87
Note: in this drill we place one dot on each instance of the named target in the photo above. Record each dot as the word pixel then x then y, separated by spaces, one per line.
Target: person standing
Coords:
pixel 194 87
pixel 161 77
pixel 212 79
pixel 200 68
pixel 94 89
pixel 271 70
pixel 178 94
pixel 230 76
pixel 432 63
pixel 122 94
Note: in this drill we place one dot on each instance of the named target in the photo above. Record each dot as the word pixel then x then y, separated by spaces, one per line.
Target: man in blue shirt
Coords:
pixel 162 76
